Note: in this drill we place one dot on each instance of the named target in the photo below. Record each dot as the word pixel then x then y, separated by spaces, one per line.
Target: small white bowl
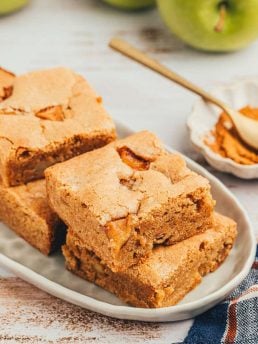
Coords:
pixel 204 116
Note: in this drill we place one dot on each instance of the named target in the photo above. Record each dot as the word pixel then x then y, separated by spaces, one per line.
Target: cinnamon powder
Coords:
pixel 227 142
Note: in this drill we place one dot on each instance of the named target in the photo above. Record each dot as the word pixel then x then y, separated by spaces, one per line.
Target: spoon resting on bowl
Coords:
pixel 247 128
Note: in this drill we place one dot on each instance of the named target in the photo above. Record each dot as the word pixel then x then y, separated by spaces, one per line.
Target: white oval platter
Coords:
pixel 50 275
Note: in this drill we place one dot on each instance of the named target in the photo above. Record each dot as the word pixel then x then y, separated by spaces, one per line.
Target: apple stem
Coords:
pixel 222 16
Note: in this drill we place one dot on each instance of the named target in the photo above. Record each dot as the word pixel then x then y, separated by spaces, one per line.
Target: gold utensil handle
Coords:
pixel 135 54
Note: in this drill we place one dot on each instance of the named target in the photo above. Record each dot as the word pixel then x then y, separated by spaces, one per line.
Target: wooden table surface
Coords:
pixel 75 33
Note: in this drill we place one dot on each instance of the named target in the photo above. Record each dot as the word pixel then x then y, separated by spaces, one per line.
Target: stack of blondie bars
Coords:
pixel 45 117
pixel 140 223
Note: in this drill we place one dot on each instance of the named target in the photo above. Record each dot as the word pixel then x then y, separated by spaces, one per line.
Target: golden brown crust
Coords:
pixel 25 210
pixel 167 275
pixel 51 116
pixel 123 210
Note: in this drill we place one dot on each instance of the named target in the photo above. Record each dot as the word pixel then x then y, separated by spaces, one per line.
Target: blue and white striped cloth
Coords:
pixel 234 321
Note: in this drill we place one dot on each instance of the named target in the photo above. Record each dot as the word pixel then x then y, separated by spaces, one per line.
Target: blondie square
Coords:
pixel 167 275
pixel 25 210
pixel 46 117
pixel 129 196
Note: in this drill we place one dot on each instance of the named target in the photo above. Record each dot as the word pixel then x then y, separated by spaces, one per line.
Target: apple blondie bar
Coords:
pixel 46 117
pixel 129 196
pixel 25 210
pixel 167 275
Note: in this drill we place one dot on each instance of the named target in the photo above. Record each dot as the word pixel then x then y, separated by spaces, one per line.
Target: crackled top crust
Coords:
pixel 131 176
pixel 47 107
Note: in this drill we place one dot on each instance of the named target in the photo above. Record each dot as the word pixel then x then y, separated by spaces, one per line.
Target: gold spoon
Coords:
pixel 246 127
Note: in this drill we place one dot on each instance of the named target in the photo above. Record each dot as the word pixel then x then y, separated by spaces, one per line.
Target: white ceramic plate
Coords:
pixel 204 116
pixel 49 273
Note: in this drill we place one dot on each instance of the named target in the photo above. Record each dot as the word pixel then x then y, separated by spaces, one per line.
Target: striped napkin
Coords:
pixel 234 321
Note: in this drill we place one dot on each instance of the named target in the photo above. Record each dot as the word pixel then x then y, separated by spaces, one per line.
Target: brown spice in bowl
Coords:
pixel 227 142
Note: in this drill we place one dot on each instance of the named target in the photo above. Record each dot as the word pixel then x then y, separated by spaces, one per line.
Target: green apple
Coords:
pixel 8 6
pixel 212 25
pixel 131 4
